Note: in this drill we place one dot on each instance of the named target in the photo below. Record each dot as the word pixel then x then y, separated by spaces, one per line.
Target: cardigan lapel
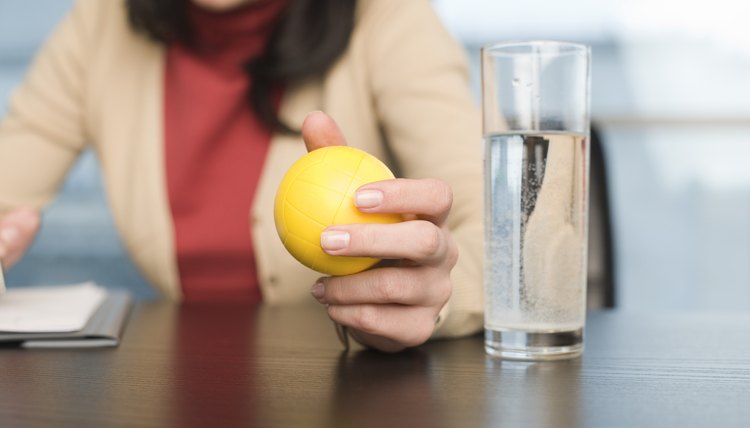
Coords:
pixel 130 143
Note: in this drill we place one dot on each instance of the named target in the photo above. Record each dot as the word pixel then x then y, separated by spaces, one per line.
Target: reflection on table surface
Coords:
pixel 233 365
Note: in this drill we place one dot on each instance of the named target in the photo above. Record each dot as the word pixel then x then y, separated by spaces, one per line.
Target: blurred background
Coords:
pixel 670 93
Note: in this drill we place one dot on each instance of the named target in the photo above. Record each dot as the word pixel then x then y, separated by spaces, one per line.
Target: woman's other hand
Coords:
pixel 18 228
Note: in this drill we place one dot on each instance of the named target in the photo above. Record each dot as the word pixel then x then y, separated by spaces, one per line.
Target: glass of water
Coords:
pixel 535 104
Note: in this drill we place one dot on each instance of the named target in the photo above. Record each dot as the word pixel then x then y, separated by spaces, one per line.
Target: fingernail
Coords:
pixel 9 234
pixel 318 290
pixel 334 240
pixel 368 198
pixel 314 112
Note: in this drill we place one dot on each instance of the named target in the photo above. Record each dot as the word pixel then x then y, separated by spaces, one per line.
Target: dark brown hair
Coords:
pixel 310 36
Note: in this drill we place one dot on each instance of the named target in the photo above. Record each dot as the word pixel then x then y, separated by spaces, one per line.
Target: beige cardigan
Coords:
pixel 400 92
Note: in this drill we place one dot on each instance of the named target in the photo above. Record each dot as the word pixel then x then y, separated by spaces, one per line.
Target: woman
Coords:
pixel 192 109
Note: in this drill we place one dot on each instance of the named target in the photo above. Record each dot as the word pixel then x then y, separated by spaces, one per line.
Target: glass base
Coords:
pixel 533 346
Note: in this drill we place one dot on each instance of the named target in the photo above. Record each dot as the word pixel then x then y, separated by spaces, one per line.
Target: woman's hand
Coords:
pixel 393 306
pixel 18 228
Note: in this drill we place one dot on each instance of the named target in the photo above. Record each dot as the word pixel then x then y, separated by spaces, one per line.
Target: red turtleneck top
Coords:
pixel 215 148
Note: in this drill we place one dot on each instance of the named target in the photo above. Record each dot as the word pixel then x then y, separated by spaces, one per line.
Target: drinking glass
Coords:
pixel 535 105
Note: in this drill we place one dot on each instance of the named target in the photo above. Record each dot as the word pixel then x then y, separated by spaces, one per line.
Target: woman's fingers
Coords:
pixel 395 326
pixel 428 198
pixel 17 231
pixel 413 286
pixel 419 241
pixel 388 308
pixel 319 130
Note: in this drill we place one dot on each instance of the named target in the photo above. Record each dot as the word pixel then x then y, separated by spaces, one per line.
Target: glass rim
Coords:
pixel 504 48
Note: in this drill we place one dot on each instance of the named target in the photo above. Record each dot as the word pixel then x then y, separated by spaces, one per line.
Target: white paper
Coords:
pixel 54 309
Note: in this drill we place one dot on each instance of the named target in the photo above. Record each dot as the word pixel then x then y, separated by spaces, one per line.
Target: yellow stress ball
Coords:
pixel 317 192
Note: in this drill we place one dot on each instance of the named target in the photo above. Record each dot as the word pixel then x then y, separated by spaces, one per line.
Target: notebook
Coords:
pixel 63 316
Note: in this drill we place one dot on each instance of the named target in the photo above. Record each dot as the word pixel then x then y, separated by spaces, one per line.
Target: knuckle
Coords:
pixel 340 314
pixel 444 292
pixel 432 239
pixel 390 288
pixel 442 194
pixel 452 253
pixel 420 333
pixel 447 292
pixel 335 313
pixel 366 319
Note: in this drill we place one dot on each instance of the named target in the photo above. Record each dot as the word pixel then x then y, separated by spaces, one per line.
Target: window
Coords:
pixel 670 90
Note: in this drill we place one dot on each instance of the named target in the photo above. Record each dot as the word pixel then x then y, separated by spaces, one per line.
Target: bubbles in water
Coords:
pixel 525 289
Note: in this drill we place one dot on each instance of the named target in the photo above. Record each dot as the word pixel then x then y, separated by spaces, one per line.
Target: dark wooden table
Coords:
pixel 222 366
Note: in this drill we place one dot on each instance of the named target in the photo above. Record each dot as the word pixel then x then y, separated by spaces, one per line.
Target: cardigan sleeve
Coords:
pixel 420 85
pixel 44 129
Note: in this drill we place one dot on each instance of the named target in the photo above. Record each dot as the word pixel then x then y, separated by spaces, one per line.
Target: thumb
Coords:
pixel 319 130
